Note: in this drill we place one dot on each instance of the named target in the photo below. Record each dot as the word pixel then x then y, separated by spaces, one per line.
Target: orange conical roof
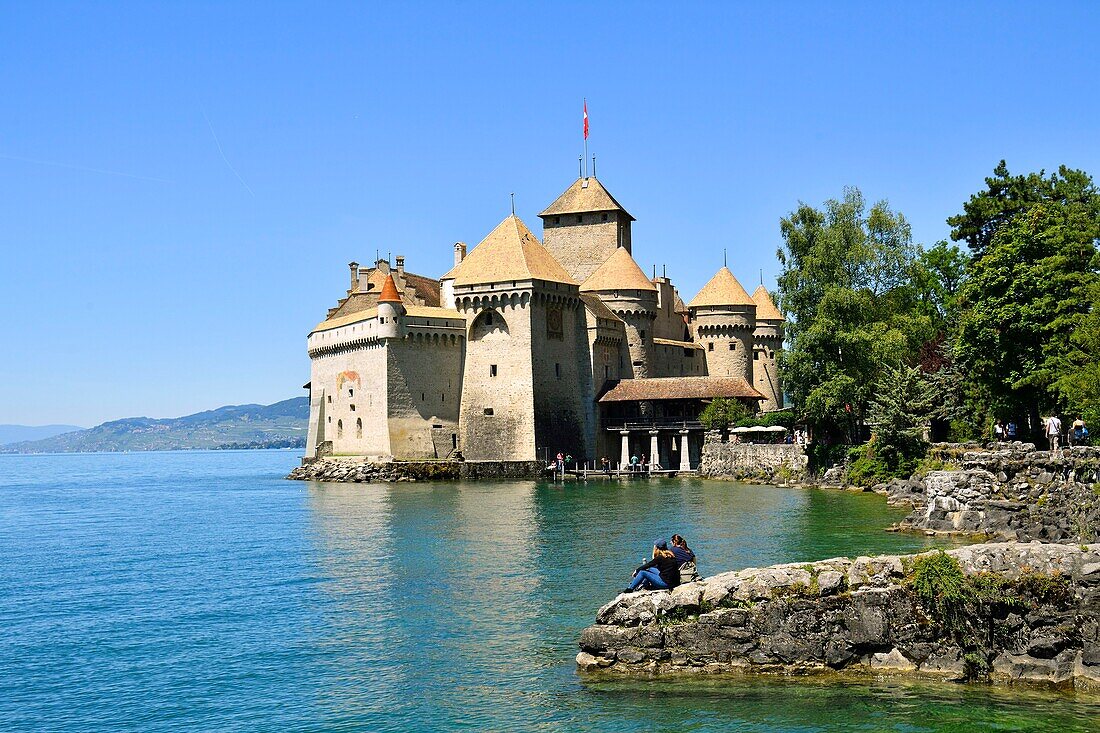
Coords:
pixel 618 272
pixel 765 307
pixel 722 289
pixel 389 291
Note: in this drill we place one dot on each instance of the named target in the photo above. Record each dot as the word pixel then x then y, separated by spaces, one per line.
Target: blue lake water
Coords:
pixel 201 591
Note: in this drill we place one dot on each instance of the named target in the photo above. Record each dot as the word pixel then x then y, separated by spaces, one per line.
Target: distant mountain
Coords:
pixel 16 433
pixel 281 425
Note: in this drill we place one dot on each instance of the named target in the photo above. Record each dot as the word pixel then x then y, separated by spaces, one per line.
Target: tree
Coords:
pixel 1006 196
pixel 1025 297
pixel 1079 383
pixel 723 412
pixel 847 289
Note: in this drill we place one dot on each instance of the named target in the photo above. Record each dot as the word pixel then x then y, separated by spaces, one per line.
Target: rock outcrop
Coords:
pixel 357 470
pixel 1015 493
pixel 771 462
pixel 1032 614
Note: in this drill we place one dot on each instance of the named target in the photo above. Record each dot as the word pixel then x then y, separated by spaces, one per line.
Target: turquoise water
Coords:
pixel 201 591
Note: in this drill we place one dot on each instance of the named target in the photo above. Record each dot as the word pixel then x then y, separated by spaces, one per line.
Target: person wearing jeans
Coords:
pixel 662 572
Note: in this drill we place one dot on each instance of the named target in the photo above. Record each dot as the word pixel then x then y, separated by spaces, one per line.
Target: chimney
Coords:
pixel 401 266
pixel 460 252
pixel 354 267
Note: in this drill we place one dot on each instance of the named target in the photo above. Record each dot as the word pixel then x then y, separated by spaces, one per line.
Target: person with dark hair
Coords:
pixel 684 555
pixel 660 573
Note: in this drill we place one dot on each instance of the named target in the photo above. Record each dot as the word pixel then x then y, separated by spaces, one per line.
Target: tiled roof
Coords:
pixel 618 272
pixel 426 288
pixel 681 344
pixel 598 308
pixel 418 311
pixel 389 291
pixel 584 195
pixel 722 289
pixel 510 252
pixel 679 388
pixel 765 308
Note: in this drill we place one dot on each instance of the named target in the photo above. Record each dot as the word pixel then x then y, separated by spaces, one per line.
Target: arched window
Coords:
pixel 359 427
pixel 339 428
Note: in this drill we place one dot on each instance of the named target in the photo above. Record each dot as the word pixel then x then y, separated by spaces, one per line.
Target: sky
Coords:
pixel 182 185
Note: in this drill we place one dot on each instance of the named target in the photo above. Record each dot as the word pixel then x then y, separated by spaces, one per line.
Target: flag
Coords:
pixel 586 119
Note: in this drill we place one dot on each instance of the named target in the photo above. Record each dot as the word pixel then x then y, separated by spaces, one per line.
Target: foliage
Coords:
pixel 847 289
pixel 1079 381
pixel 1024 325
pixel 782 418
pixel 723 412
pixel 869 469
pixel 940 584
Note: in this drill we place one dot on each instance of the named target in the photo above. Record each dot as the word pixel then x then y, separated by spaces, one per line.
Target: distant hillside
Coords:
pixel 16 433
pixel 281 425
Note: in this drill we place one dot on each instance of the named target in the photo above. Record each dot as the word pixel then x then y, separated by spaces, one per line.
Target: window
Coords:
pixel 557 371
pixel 710 346
pixel 442 398
pixel 492 370
pixel 339 428
pixel 358 428
pixel 421 396
pixel 733 346
pixel 606 371
pixel 489 318
pixel 352 407
pixel 756 356
pixel 351 392
pixel 330 399
pixel 330 419
pixel 488 411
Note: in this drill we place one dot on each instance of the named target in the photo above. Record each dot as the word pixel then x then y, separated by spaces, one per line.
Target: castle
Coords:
pixel 527 348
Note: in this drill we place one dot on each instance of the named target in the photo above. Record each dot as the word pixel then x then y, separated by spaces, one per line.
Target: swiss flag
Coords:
pixel 586 119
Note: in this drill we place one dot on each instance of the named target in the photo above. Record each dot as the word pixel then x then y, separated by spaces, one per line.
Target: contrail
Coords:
pixel 222 153
pixel 72 166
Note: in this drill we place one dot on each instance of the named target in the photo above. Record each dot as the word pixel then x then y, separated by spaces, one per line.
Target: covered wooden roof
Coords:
pixel 765 307
pixel 679 388
pixel 722 289
pixel 618 272
pixel 509 252
pixel 585 195
pixel 598 308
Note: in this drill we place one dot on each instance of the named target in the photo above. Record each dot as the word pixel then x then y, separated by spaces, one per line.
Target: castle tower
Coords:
pixel 390 311
pixel 632 296
pixel 723 319
pixel 527 369
pixel 767 343
pixel 584 226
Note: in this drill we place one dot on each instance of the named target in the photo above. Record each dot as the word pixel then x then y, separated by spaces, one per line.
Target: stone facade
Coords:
pixel 505 357
pixel 863 616
pixel 760 462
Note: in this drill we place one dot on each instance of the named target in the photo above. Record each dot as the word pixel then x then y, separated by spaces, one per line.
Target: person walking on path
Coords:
pixel 1010 431
pixel 1054 431
pixel 999 432
pixel 633 462
pixel 1078 433
pixel 662 572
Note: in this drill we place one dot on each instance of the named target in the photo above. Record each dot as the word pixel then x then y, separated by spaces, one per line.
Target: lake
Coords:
pixel 202 591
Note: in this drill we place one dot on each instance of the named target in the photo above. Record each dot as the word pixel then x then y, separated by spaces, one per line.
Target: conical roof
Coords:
pixel 510 252
pixel 618 272
pixel 722 289
pixel 765 308
pixel 389 291
pixel 584 195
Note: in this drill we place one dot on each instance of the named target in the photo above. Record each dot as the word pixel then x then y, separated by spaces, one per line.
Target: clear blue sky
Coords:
pixel 181 186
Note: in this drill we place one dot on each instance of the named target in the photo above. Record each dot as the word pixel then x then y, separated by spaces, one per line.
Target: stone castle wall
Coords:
pixel 425 387
pixel 862 616
pixel 760 462
pixel 582 246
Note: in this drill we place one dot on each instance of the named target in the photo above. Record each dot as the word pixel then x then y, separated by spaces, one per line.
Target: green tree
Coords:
pixel 1025 297
pixel 1006 196
pixel 1079 383
pixel 721 412
pixel 846 286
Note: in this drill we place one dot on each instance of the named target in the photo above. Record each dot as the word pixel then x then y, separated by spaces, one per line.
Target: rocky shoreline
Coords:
pixel 1014 492
pixel 358 470
pixel 1027 612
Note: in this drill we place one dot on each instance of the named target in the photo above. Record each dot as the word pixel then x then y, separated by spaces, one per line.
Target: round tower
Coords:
pixel 390 311
pixel 723 319
pixel 630 295
pixel 767 344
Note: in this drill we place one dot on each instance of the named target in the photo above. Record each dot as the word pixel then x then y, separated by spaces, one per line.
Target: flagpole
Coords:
pixel 585 138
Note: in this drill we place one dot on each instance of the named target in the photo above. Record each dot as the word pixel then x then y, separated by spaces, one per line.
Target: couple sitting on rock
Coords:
pixel 669 567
